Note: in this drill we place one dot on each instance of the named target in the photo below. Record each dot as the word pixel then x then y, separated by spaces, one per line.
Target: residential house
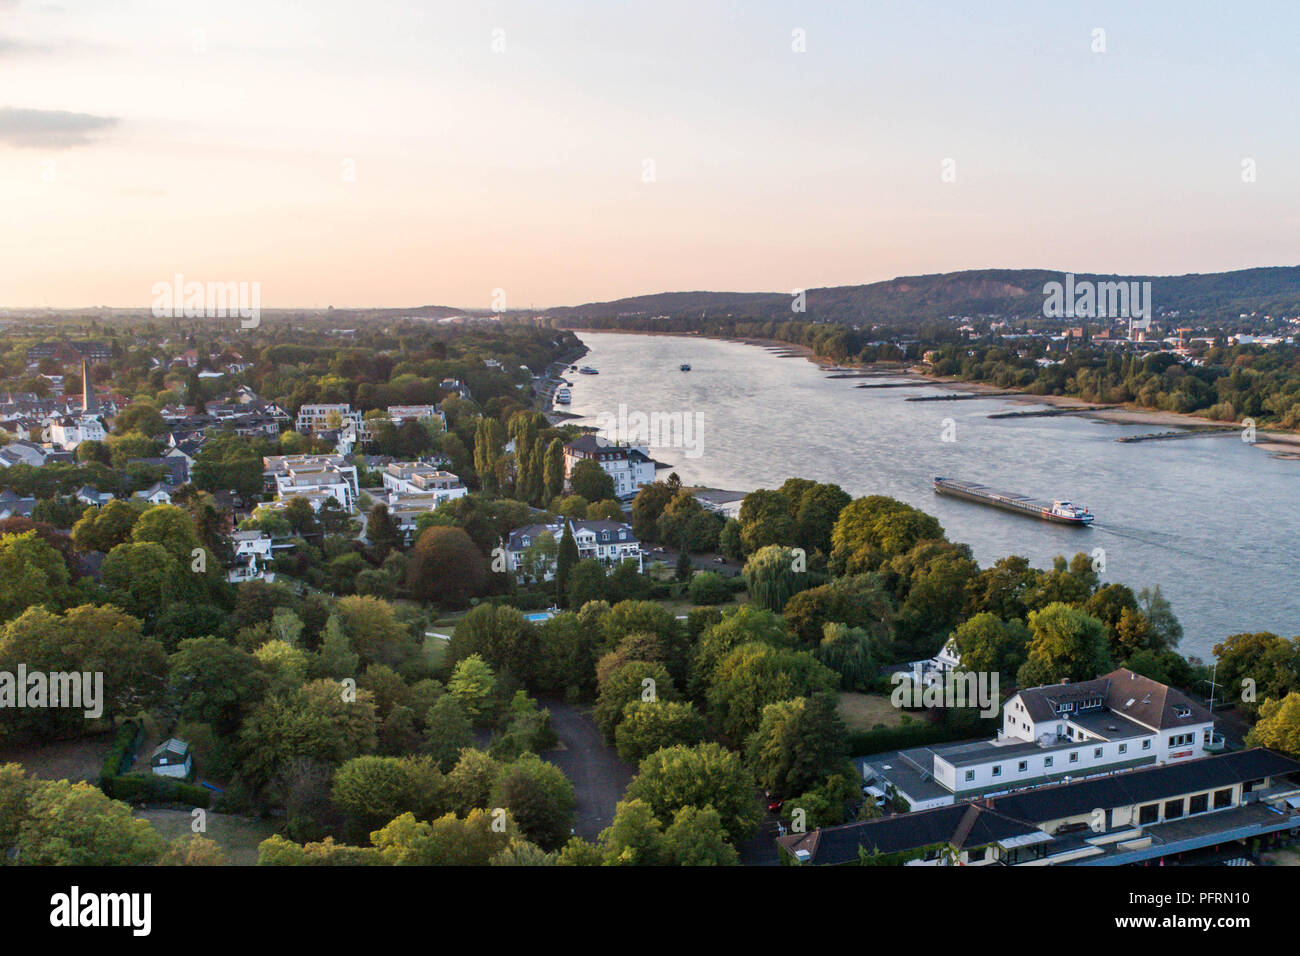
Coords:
pixel 629 466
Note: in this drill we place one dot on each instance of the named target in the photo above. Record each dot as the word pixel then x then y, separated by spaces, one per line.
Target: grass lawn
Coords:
pixel 74 760
pixel 866 711
pixel 237 836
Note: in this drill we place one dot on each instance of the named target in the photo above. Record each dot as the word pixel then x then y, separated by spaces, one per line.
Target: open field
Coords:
pixel 237 836
pixel 73 760
pixel 867 711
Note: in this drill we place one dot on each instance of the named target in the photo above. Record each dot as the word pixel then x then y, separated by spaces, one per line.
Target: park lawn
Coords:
pixel 237 836
pixel 867 711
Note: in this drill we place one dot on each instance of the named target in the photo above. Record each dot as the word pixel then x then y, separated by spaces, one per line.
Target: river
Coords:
pixel 1212 521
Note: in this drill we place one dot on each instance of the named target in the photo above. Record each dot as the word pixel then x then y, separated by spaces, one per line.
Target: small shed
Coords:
pixel 171 758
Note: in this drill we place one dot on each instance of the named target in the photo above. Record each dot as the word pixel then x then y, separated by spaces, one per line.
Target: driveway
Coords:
pixel 598 776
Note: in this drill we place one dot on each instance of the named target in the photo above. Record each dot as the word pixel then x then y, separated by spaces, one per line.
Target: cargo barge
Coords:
pixel 1058 510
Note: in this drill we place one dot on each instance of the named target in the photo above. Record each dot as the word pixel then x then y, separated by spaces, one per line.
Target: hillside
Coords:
pixel 1007 292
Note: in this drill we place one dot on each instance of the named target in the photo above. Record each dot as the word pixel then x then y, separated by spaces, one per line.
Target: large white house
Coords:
pixel 315 418
pixel 317 478
pixel 609 542
pixel 1054 734
pixel 417 478
pixel 630 466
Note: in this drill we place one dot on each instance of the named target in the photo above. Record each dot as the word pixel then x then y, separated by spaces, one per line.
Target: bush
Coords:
pixel 122 753
pixel 154 789
pixel 709 588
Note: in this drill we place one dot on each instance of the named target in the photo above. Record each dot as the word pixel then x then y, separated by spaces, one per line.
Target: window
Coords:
pixel 1146 744
pixel 1173 809
pixel 1222 799
pixel 1149 814
pixel 1123 748
pixel 1074 756
pixel 1047 761
pixel 997 770
pixel 1198 804
pixel 970 775
pixel 1022 766
pixel 1097 752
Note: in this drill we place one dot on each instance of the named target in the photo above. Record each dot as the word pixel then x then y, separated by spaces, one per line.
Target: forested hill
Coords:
pixel 1005 292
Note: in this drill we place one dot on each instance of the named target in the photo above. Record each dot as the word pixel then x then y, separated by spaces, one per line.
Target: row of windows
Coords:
pixel 1048 762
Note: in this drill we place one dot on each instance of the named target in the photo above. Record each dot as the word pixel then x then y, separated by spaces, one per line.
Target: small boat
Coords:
pixel 685 366
pixel 562 396
pixel 588 370
pixel 573 368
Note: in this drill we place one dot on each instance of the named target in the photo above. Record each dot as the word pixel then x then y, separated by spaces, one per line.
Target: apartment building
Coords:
pixel 316 478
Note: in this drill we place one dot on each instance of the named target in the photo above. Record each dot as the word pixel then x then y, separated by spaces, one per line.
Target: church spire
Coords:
pixel 89 406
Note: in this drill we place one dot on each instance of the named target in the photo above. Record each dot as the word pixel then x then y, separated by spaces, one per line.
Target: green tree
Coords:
pixel 540 799
pixel 1064 642
pixel 706 775
pixel 798 742
pixel 591 481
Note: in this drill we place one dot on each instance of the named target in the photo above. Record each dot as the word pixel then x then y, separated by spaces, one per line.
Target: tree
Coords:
pixel 215 682
pixel 474 685
pixel 648 726
pixel 500 636
pixel 382 531
pixel 31 573
pixel 103 529
pixel 633 681
pixel 565 561
pixel 84 639
pixel 765 519
pixel 1168 632
pixel 696 837
pixel 446 567
pixel 798 742
pixel 706 775
pixel 989 645
pixel 144 578
pixel 1279 725
pixel 729 541
pixel 755 675
pixel 851 653
pixel 772 578
pixel 586 583
pixel 857 600
pixel 553 469
pixel 1064 642
pixel 320 721
pixel 74 824
pixel 591 481
pixel 709 588
pixel 633 838
pixel 446 841
pixel 447 731
pixel 373 790
pixel 540 799
pixel 648 505
pixel 193 850
pixel 686 525
pixel 374 631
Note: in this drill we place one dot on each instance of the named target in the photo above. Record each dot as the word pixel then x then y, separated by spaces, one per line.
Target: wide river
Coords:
pixel 1212 521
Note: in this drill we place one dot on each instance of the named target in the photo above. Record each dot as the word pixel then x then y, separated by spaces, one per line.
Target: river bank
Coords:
pixel 1278 444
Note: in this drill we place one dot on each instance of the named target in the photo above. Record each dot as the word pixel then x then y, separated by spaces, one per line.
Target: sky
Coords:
pixel 397 153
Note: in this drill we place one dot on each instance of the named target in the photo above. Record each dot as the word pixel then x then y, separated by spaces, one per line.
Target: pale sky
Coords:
pixel 398 153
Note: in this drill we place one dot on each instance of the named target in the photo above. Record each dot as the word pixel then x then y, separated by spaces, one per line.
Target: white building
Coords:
pixel 417 478
pixel 609 542
pixel 317 478
pixel 69 431
pixel 315 418
pixel 629 466
pixel 252 557
pixel 1055 734
pixel 401 413
pixel 156 494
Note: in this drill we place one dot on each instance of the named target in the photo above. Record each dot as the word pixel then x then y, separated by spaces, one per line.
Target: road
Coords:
pixel 598 776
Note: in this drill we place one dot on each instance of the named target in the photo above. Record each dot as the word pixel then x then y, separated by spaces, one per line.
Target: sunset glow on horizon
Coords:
pixel 399 153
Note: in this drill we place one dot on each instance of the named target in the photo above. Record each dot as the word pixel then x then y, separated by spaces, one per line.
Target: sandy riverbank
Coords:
pixel 1280 444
